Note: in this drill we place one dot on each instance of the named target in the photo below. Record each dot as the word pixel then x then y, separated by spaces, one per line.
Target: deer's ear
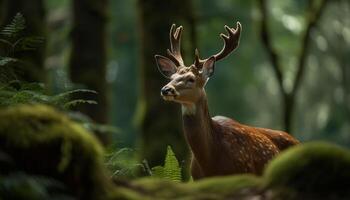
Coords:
pixel 165 66
pixel 208 67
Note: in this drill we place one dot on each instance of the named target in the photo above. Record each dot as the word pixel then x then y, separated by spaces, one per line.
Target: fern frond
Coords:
pixel 37 87
pixel 171 169
pixel 76 102
pixel 27 96
pixel 28 43
pixel 7 60
pixel 66 95
pixel 65 101
pixel 17 25
pixel 101 128
pixel 77 91
pixel 123 163
pixel 16 92
pixel 158 171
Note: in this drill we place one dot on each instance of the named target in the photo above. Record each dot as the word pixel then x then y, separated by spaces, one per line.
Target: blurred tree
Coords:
pixel 2 10
pixel 33 11
pixel 323 110
pixel 160 121
pixel 315 9
pixel 89 54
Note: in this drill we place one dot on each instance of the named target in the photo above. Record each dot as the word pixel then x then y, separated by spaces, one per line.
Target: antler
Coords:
pixel 231 41
pixel 175 47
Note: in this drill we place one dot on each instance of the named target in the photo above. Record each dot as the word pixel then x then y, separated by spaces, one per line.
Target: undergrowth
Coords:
pixel 14 91
pixel 123 163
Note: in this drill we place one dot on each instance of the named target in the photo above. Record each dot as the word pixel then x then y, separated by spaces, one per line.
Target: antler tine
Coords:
pixel 197 61
pixel 231 41
pixel 175 45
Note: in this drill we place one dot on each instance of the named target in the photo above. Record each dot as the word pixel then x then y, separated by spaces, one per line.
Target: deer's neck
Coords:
pixel 198 129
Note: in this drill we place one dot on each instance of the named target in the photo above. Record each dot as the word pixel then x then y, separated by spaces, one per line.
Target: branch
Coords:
pixel 314 16
pixel 265 37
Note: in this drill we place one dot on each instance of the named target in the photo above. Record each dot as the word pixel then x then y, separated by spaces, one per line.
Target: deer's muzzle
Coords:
pixel 168 92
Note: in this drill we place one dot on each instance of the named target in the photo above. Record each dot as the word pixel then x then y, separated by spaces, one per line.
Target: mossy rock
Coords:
pixel 316 170
pixel 40 140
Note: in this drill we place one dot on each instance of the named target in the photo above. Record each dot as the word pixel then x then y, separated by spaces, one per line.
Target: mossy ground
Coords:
pixel 38 140
pixel 230 187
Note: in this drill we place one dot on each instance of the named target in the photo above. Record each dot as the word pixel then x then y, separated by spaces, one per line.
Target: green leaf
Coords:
pixel 17 25
pixel 6 60
pixel 37 87
pixel 77 91
pixel 28 43
pixel 76 102
pixel 65 100
pixel 101 128
pixel 158 171
pixel 17 92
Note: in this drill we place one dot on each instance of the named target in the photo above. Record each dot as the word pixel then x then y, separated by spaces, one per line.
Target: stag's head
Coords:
pixel 187 83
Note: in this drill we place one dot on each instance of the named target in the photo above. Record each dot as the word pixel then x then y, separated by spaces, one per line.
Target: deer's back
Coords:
pixel 247 149
pixel 280 139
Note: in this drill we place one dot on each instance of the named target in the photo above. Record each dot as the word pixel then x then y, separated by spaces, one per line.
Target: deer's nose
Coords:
pixel 166 90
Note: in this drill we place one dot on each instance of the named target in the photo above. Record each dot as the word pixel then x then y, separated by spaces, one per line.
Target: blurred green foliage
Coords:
pixel 14 91
pixel 123 164
pixel 24 186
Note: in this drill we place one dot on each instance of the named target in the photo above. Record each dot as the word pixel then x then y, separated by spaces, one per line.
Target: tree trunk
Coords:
pixel 2 11
pixel 160 121
pixel 34 13
pixel 88 57
pixel 288 112
pixel 289 98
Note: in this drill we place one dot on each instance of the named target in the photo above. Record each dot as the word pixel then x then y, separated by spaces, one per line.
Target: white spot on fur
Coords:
pixel 206 81
pixel 188 109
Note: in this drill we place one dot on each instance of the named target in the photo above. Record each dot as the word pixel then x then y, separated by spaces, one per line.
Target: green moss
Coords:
pixel 41 140
pixel 122 193
pixel 316 169
pixel 160 188
pixel 211 188
pixel 228 184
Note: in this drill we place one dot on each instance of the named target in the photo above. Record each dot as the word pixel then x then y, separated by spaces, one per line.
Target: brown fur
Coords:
pixel 222 146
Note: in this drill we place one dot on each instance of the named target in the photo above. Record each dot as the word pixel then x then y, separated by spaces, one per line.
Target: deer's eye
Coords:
pixel 190 80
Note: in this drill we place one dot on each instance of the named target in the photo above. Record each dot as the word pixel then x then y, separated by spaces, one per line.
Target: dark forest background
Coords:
pixel 290 72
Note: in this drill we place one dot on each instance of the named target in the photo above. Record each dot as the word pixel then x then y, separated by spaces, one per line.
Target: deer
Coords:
pixel 220 145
